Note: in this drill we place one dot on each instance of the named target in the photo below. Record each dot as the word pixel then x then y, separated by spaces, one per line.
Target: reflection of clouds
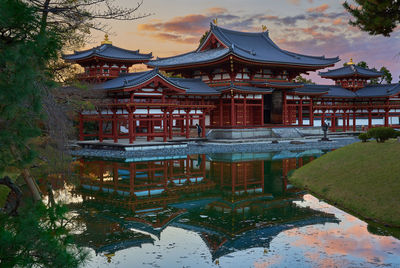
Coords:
pixel 349 238
pixel 275 259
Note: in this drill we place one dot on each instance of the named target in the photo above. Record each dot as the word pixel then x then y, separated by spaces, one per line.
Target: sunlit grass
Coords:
pixel 362 177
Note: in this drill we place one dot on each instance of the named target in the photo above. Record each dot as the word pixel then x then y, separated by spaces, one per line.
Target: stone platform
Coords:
pixel 265 132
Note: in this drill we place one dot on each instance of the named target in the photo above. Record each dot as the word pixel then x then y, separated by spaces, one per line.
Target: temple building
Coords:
pixel 233 82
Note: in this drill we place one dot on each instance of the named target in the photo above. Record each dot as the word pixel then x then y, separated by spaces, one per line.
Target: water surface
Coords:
pixel 228 210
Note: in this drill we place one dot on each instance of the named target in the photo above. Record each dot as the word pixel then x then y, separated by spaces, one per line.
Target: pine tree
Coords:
pixel 375 17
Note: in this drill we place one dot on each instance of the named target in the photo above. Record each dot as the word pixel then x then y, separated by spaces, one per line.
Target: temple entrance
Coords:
pixel 267 108
pixel 273 107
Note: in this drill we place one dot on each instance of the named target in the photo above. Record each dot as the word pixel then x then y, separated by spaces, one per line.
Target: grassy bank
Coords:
pixel 362 177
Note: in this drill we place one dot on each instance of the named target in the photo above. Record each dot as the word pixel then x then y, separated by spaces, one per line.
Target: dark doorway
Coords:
pixel 267 108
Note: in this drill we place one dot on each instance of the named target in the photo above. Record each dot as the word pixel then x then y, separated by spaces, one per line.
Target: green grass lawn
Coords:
pixel 362 177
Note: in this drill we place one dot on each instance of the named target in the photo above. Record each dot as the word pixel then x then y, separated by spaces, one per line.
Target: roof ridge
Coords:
pixel 239 32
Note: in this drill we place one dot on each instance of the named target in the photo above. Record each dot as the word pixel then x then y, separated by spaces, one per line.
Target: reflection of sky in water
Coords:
pixel 348 244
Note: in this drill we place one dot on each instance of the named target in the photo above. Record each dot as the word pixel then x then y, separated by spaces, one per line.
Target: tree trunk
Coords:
pixel 31 185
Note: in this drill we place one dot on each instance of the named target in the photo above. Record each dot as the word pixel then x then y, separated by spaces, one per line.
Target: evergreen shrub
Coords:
pixel 364 137
pixel 381 134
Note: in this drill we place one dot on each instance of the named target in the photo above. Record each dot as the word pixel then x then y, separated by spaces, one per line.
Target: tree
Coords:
pixel 24 54
pixel 375 17
pixel 39 238
pixel 387 76
pixel 362 64
pixel 300 79
pixel 203 37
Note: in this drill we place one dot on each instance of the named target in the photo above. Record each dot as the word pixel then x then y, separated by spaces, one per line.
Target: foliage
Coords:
pixel 24 53
pixel 38 238
pixel 203 37
pixel 364 137
pixel 382 134
pixel 362 64
pixel 300 79
pixel 375 17
pixel 362 177
pixel 387 76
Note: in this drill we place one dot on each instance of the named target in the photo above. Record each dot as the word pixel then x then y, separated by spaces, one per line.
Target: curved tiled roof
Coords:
pixel 384 90
pixel 350 70
pixel 245 88
pixel 190 86
pixel 257 47
pixel 191 58
pixel 108 51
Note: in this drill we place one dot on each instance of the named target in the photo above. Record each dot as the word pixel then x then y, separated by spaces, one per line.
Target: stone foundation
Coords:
pixel 255 133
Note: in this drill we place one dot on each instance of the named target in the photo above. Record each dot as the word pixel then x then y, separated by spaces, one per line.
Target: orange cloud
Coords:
pixel 294 2
pixel 216 10
pixel 319 9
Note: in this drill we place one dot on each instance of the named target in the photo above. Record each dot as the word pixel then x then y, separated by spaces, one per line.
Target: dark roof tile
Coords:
pixel 350 70
pixel 108 51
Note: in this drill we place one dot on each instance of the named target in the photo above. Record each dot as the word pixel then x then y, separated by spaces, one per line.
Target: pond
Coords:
pixel 215 210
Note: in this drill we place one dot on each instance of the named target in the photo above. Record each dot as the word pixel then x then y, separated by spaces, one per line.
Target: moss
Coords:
pixel 362 177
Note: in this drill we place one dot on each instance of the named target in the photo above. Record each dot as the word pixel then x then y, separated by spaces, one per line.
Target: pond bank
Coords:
pixel 214 147
pixel 363 178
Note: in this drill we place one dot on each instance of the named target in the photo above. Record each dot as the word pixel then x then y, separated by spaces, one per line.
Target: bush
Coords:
pixel 381 134
pixel 364 137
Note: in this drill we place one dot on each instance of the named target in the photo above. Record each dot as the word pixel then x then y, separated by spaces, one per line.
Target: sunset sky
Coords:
pixel 310 27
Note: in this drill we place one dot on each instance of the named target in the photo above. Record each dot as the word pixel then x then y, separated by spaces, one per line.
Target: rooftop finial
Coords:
pixel 264 28
pixel 106 41
pixel 215 21
pixel 350 62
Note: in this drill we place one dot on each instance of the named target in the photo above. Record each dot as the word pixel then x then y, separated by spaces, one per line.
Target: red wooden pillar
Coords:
pixel 344 121
pixel 81 127
pixel 182 122
pixel 100 126
pixel 369 118
pixel 245 110
pixel 311 111
pixel 323 117
pixel 170 124
pixel 187 124
pixel 221 108
pixel 348 120
pixel 301 112
pixel 333 121
pixel 262 110
pixel 233 122
pixel 284 109
pixel 130 124
pixel 354 120
pixel 165 125
pixel 203 124
pixel 114 126
pixel 386 117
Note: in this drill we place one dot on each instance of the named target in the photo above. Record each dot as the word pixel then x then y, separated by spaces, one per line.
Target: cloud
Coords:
pixel 216 10
pixel 318 9
pixel 193 23
pixel 294 2
pixel 316 32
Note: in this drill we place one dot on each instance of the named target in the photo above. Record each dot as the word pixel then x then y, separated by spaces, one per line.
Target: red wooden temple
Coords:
pixel 233 81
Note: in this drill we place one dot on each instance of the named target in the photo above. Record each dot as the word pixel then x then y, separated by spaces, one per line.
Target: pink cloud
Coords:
pixel 216 10
pixel 318 9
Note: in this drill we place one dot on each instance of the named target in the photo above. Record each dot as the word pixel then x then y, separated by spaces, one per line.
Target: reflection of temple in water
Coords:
pixel 231 200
